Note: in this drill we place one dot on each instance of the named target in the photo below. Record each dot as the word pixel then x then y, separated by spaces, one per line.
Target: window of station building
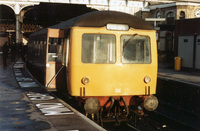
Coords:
pixel 98 48
pixel 55 49
pixel 170 17
pixel 135 49
pixel 182 15
pixel 158 14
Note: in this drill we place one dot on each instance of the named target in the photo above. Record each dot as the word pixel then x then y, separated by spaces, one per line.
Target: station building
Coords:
pixel 174 13
pixel 187 42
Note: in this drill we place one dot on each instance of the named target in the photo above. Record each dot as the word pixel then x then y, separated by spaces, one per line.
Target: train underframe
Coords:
pixel 117 108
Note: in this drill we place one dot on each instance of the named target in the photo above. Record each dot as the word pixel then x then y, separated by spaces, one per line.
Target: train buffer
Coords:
pixel 25 105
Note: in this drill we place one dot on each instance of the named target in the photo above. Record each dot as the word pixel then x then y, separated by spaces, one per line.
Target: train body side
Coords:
pixel 45 57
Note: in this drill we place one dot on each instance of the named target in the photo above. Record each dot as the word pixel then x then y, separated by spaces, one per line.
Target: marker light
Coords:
pixel 117 27
pixel 147 79
pixel 85 80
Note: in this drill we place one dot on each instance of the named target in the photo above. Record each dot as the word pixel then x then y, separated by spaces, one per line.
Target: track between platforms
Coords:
pixel 180 115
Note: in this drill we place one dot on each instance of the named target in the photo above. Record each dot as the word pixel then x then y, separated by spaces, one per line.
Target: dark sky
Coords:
pixel 45 14
pixel 50 14
pixel 6 14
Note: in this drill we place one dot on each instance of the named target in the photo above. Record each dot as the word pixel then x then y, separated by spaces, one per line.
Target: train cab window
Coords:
pixel 55 49
pixel 135 49
pixel 98 48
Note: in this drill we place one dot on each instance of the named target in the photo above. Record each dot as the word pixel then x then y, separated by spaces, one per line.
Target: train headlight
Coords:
pixel 117 27
pixel 85 80
pixel 147 79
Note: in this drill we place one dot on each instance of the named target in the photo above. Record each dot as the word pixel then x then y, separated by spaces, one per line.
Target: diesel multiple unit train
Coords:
pixel 106 60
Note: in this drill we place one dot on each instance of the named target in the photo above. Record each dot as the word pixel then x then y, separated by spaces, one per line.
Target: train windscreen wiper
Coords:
pixel 127 42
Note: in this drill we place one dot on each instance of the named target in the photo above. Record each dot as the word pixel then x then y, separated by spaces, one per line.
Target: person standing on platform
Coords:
pixel 5 53
pixel 24 52
pixel 13 51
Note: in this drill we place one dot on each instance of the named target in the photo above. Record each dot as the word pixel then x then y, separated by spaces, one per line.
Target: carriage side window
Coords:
pixel 55 49
pixel 98 48
pixel 135 49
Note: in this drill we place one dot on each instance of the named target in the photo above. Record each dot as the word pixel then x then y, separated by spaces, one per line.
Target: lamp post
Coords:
pixel 155 20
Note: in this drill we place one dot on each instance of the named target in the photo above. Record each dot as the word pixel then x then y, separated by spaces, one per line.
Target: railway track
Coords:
pixel 166 117
pixel 182 116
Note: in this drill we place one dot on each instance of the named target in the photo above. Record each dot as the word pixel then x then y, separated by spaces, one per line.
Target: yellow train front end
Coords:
pixel 111 63
pixel 110 59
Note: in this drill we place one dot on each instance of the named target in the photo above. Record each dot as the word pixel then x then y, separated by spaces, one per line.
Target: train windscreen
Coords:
pixel 98 48
pixel 135 49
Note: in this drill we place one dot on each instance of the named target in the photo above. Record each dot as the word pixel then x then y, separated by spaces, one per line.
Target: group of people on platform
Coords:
pixel 13 49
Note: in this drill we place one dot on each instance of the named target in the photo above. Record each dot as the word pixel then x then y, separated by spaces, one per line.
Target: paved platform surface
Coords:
pixel 25 106
pixel 188 76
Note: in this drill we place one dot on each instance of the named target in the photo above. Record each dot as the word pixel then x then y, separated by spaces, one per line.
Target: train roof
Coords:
pixel 102 18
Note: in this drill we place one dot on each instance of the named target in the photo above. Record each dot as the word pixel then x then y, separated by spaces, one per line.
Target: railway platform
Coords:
pixel 188 76
pixel 24 105
pixel 179 94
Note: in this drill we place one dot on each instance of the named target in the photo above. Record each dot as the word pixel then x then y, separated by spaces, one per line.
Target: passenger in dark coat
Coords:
pixel 24 51
pixel 13 51
pixel 5 53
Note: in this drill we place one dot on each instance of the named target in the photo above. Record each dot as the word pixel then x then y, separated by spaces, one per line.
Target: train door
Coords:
pixel 54 61
pixel 197 61
pixel 185 50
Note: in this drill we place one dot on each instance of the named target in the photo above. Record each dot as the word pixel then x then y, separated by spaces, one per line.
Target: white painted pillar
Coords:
pixel 17 8
pixel 17 28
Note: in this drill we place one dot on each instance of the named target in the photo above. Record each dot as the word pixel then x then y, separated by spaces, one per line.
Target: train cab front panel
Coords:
pixel 109 62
